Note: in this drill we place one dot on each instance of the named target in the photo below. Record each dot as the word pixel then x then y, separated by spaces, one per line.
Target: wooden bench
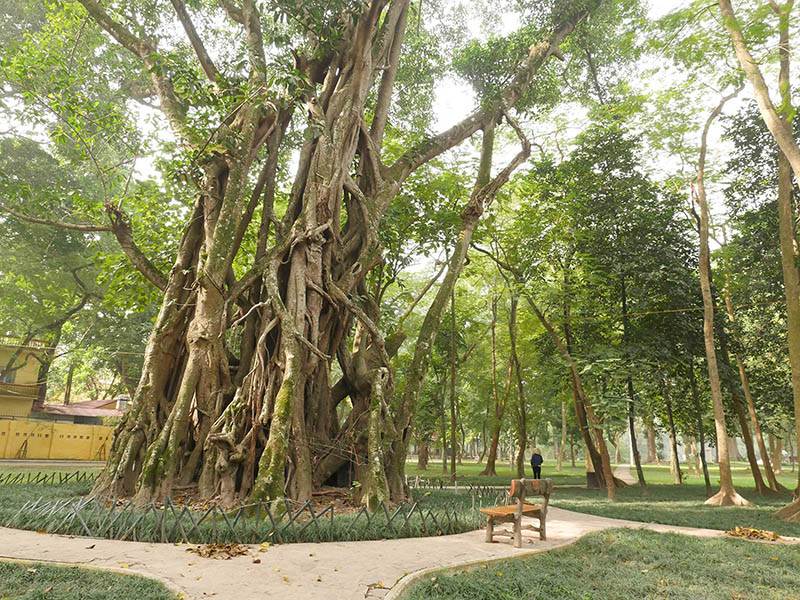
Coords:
pixel 513 513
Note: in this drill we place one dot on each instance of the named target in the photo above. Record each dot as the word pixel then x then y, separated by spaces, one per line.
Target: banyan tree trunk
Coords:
pixel 237 396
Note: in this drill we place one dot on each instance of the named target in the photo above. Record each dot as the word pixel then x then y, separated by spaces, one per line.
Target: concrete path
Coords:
pixel 323 571
pixel 624 473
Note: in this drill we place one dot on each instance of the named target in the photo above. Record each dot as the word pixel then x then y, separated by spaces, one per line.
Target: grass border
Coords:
pixel 173 587
pixel 401 585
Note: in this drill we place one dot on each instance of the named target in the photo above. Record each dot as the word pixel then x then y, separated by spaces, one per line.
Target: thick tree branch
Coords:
pixel 234 12
pixel 251 19
pixel 121 228
pixel 781 131
pixel 146 50
pixel 394 43
pixel 538 55
pixel 199 48
pixel 48 222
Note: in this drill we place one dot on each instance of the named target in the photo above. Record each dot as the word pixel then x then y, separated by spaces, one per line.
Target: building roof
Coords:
pixel 79 409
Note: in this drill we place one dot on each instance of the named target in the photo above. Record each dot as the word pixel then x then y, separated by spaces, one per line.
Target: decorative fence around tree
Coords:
pixel 254 523
pixel 46 477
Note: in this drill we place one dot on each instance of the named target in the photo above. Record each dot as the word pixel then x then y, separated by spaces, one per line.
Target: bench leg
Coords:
pixel 489 530
pixel 542 530
pixel 518 533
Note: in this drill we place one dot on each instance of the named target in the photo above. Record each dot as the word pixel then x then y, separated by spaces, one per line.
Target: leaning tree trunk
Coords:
pixel 499 407
pixel 631 396
pixel 751 409
pixel 675 463
pixel 779 125
pixel 727 494
pixel 522 433
pixel 700 430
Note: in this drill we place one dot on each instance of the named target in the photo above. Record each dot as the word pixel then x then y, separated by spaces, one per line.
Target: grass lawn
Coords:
pixel 37 581
pixel 620 564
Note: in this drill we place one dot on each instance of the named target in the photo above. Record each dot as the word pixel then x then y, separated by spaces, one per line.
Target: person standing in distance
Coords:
pixel 536 463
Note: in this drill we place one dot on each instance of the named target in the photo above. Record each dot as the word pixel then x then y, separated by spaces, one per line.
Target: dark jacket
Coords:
pixel 536 460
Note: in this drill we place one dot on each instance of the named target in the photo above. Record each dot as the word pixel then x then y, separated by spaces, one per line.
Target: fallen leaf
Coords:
pixel 31 570
pixel 749 533
pixel 285 578
pixel 47 590
pixel 319 577
pixel 89 547
pixel 257 561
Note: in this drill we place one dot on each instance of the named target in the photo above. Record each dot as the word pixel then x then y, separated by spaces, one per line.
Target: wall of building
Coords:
pixel 13 406
pixel 27 374
pixel 46 440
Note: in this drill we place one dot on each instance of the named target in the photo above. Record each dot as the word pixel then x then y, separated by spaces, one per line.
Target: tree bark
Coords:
pixel 675 464
pixel 788 160
pixel 700 430
pixel 522 432
pixel 652 448
pixel 452 384
pixel 727 494
pixel 265 424
pixel 762 448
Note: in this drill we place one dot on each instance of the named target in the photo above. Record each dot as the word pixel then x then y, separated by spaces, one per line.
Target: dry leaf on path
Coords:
pixel 750 533
pixel 220 550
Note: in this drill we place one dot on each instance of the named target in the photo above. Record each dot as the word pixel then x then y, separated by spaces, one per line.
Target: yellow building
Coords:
pixel 32 430
pixel 19 388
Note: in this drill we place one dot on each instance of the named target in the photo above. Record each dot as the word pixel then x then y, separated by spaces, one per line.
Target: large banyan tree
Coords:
pixel 258 345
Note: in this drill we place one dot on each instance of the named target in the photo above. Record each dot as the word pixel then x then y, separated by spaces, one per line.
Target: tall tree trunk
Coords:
pixel 727 494
pixel 629 385
pixel 522 433
pixel 452 352
pixel 422 456
pixel 675 464
pixel 788 160
pixel 765 459
pixel 776 450
pixel 652 448
pixel 736 400
pixel 700 430
pixel 563 444
pixel 267 426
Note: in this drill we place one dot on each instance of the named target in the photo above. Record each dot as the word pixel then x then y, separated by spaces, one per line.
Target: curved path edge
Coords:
pixel 323 571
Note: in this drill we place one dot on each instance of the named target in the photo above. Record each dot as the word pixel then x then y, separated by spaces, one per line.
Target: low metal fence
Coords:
pixel 253 523
pixel 46 477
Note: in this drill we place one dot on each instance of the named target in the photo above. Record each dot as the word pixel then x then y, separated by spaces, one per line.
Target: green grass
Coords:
pixel 621 564
pixel 14 496
pixel 678 505
pixel 468 473
pixel 37 581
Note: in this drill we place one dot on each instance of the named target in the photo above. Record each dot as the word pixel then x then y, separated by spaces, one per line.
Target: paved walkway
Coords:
pixel 323 571
pixel 624 473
